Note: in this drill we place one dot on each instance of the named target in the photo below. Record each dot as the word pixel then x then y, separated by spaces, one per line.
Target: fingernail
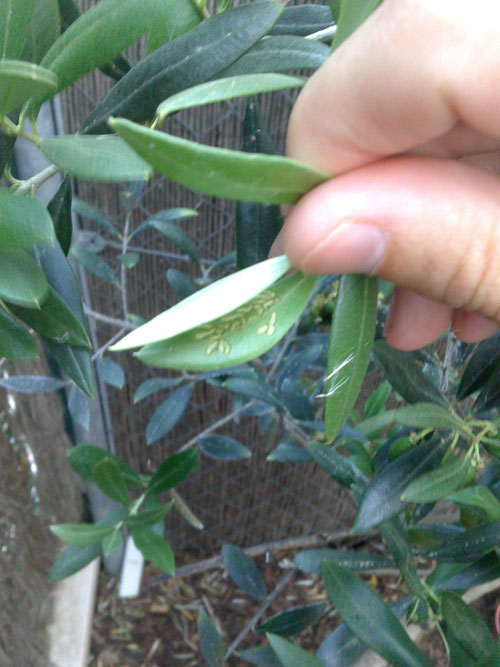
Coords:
pixel 351 247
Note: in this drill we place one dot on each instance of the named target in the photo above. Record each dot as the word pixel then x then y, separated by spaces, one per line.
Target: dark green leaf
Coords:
pixel 256 389
pixel 72 559
pixel 84 458
pixel 81 534
pixel 6 147
pixel 263 656
pixel 15 17
pixel 211 644
pixel 180 283
pixel 482 364
pixel 94 264
pixel 111 372
pixel 78 406
pixel 351 16
pixel 489 397
pixel 351 338
pixel 24 223
pixel 303 20
pixel 112 541
pixel 285 452
pixel 59 208
pixel 108 477
pixel 31 384
pixel 439 483
pixel 168 413
pixel 369 618
pixel 280 53
pixel 16 344
pixel 178 17
pixel 257 225
pixel 339 467
pixel 298 363
pixel 154 548
pixel 481 572
pixel 149 517
pixel 478 496
pixel 95 214
pixel 382 497
pixel 167 215
pixel 467 546
pixel 174 470
pixel 376 401
pixel 466 628
pixel 311 560
pixel 22 282
pixel 149 387
pixel 174 234
pixel 223 448
pixel 243 572
pixel 75 362
pixel 291 655
pixel 43 30
pixel 186 61
pixel 294 620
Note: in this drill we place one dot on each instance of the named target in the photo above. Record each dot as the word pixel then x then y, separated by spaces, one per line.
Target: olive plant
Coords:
pixel 429 433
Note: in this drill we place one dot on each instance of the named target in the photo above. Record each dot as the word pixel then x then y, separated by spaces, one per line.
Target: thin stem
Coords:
pixel 184 509
pixel 123 268
pixel 326 33
pixel 215 426
pixel 33 183
pixel 123 324
pixel 200 6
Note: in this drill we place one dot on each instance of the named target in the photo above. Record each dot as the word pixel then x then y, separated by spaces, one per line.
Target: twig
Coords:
pixel 215 426
pixel 260 612
pixel 184 509
pixel 323 34
pixel 36 181
pixel 123 268
pixel 123 324
pixel 107 344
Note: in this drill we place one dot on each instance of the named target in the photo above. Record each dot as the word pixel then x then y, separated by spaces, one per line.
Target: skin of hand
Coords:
pixel 406 115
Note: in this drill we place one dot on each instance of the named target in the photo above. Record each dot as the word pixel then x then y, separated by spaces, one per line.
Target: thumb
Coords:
pixel 426 224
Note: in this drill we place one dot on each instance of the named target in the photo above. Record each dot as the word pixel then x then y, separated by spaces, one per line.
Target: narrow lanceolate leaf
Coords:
pixel 15 17
pixel 31 384
pixel 166 415
pixel 294 620
pixel 286 452
pixel 208 304
pixel 263 656
pixel 438 484
pixel 154 548
pixel 7 142
pixel 81 534
pixel 223 448
pixel 252 388
pixel 478 496
pixel 489 396
pixel 21 280
pixel 226 89
pixel 339 467
pixel 108 477
pixel 24 222
pixel 351 16
pixel 75 362
pixel 280 53
pixel 174 470
pixel 351 339
pixel 95 214
pixel 84 458
pixel 16 343
pixel 467 546
pixel 465 627
pixel 311 560
pixel 369 618
pixel 382 498
pixel 303 20
pixel 111 372
pixel 211 644
pixel 480 367
pixel 291 655
pixel 149 387
pixel 59 208
pixel 78 406
pixel 243 572
pixel 72 559
pixel 96 38
pixel 19 81
pixel 220 172
pixel 178 17
pixel 104 159
pixel 43 30
pixel 418 415
pixel 94 264
pixel 189 60
pixel 149 517
pixel 172 232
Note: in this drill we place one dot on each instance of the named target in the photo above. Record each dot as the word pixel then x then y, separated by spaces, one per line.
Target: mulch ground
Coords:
pixel 159 628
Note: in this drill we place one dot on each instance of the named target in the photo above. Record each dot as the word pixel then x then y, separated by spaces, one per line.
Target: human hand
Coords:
pixel 392 114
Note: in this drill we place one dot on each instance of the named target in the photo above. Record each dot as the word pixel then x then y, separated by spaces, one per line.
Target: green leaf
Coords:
pixel 184 62
pixel 112 541
pixel 160 222
pixel 6 147
pixel 168 413
pixel 263 656
pixel 226 89
pixel 19 81
pixel 489 396
pixel 94 264
pixel 72 559
pixel 478 496
pixel 257 225
pixel 285 452
pixel 482 364
pixel 129 259
pixel 43 30
pixel 339 467
pixel 294 620
pixel 223 448
pixel 482 571
pixel 111 372
pixel 210 303
pixel 15 17
pixel 405 374
pixel 108 477
pixel 382 497
pixel 280 53
pixel 95 39
pixel 21 280
pixel 252 388
pixel 291 655
pixel 59 208
pixel 16 344
pixel 466 628
pixel 154 548
pixel 243 571
pixel 375 403
pixel 438 484
pixel 351 338
pixel 101 158
pixel 24 223
pixel 84 458
pixel 78 406
pixel 369 618
pixel 241 335
pixel 303 20
pixel 351 16
pixel 220 172
pixel 75 362
pixel 149 517
pixel 31 384
pixel 211 644
pixel 174 470
pixel 178 17
pixel 149 387
pixel 311 560
pixel 180 283
pixel 467 546
pixel 95 214
pixel 418 415
pixel 167 215
pixel 81 534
